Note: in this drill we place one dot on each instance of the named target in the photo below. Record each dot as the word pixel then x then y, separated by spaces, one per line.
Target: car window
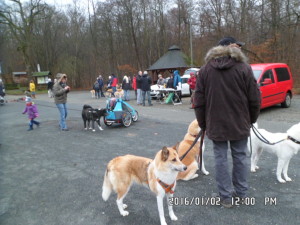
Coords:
pixel 256 73
pixel 184 80
pixel 282 74
pixel 267 74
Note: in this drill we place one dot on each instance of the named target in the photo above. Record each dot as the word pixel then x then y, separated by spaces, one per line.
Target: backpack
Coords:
pixel 97 86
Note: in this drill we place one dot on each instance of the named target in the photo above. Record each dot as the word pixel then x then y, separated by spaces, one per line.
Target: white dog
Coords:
pixel 284 149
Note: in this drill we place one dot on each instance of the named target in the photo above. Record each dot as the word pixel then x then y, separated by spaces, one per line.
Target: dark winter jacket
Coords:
pixel 227 98
pixel 59 91
pixel 138 81
pixel 145 82
pixel 126 85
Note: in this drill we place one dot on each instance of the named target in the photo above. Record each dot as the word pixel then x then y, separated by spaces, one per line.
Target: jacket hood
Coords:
pixel 224 57
pixel 59 76
pixel 176 72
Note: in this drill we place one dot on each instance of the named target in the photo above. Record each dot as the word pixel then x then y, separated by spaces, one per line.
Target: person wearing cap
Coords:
pixel 192 83
pixel 60 92
pixel 227 101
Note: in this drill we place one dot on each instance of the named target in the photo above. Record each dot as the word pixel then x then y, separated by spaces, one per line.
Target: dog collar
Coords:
pixel 293 140
pixel 166 187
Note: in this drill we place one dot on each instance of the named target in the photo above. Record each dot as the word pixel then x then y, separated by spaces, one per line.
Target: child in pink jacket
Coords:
pixel 32 112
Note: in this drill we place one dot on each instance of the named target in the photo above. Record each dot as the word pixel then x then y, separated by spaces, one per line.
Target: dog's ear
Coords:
pixel 176 147
pixel 165 154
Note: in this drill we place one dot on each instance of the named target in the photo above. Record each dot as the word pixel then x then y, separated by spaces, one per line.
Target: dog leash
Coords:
pixel 193 144
pixel 200 150
pixel 263 139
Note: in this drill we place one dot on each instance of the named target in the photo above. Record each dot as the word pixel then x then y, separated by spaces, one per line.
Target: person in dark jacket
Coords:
pixel 227 101
pixel 145 87
pixel 126 84
pixel 139 97
pixel 101 84
pixel 50 87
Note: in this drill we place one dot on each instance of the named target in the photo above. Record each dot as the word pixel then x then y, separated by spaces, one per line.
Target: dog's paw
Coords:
pixel 100 128
pixel 256 167
pixel 125 213
pixel 94 130
pixel 288 179
pixel 205 172
pixel 253 170
pixel 90 128
pixel 280 180
pixel 173 217
pixel 125 206
pixel 194 176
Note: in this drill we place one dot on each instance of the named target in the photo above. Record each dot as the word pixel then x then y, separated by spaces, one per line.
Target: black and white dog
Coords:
pixel 90 114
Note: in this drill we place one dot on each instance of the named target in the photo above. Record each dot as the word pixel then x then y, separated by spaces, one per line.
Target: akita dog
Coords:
pixel 158 174
pixel 190 160
pixel 284 150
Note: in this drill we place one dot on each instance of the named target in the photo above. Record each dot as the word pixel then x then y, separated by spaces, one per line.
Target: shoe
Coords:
pixel 65 129
pixel 38 125
pixel 151 105
pixel 30 128
pixel 227 202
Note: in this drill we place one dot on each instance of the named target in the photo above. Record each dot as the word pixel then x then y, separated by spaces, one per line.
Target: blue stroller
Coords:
pixel 119 111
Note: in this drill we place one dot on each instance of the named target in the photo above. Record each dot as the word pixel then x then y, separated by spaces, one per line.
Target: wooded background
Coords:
pixel 91 37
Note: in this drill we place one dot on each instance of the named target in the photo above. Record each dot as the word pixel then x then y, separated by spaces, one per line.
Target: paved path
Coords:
pixel 51 177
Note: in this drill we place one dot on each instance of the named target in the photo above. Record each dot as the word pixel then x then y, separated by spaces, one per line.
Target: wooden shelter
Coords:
pixel 173 59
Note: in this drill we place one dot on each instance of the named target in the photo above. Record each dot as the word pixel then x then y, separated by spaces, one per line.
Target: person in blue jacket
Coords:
pixel 177 83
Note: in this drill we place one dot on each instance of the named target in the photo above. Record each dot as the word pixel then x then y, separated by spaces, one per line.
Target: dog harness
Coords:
pixel 293 140
pixel 166 187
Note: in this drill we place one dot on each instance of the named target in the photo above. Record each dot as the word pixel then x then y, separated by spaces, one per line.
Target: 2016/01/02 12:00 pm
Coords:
pixel 205 201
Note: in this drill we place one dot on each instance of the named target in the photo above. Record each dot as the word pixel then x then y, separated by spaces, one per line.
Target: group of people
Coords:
pixel 226 102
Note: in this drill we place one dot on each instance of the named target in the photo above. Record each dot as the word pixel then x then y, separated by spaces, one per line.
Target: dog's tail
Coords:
pixel 107 186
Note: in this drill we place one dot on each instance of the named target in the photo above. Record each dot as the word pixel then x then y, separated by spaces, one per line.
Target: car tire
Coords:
pixel 287 101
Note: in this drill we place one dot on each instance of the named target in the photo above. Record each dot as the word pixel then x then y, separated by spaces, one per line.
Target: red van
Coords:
pixel 275 82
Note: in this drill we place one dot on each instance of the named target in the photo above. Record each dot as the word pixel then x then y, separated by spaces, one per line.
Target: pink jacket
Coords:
pixel 31 110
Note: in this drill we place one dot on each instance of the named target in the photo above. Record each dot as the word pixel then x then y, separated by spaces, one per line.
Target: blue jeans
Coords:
pixel 148 96
pixel 126 95
pixel 62 108
pixel 240 169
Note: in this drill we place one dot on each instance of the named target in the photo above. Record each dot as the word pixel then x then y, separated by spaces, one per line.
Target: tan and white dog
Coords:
pixel 93 93
pixel 284 150
pixel 190 160
pixel 158 174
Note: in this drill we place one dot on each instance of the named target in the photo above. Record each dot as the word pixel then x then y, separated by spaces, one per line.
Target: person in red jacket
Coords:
pixel 192 83
pixel 114 83
pixel 134 85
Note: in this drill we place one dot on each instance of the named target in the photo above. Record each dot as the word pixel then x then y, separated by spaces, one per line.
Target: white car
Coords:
pixel 185 87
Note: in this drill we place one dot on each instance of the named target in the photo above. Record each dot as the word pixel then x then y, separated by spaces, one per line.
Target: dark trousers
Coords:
pixel 240 168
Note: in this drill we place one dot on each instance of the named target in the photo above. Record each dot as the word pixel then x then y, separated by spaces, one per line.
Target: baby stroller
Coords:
pixel 119 111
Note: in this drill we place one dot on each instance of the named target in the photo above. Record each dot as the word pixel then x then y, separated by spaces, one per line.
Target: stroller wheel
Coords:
pixel 106 122
pixel 135 116
pixel 126 119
